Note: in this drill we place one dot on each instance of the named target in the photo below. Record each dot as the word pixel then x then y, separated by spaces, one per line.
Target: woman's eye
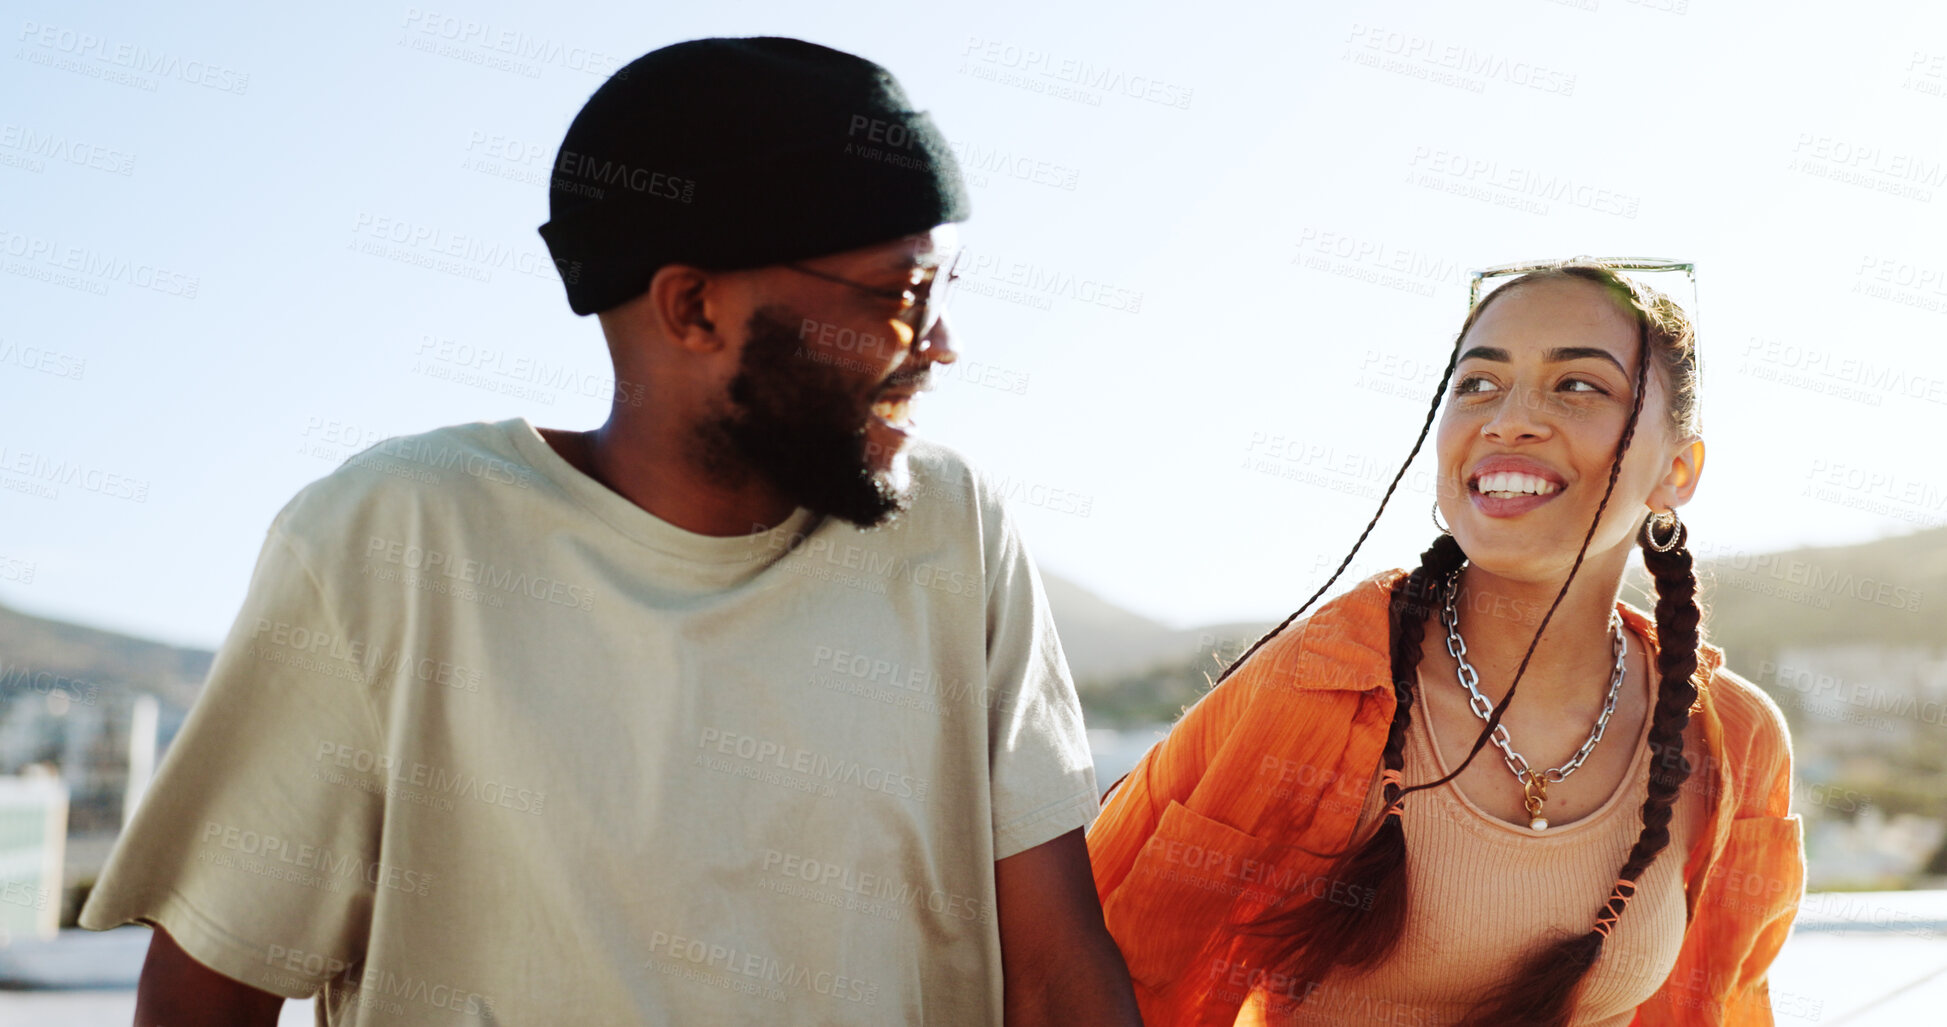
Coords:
pixel 1472 383
pixel 1586 386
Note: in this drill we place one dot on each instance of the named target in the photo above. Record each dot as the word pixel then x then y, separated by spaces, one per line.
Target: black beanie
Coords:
pixel 737 153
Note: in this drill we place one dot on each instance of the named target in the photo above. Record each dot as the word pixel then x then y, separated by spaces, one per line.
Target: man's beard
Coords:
pixel 798 425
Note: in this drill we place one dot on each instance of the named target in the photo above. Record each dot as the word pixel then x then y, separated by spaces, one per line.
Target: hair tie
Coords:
pixel 1612 907
pixel 1389 776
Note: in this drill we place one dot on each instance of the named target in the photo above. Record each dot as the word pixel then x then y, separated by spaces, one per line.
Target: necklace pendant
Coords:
pixel 1537 788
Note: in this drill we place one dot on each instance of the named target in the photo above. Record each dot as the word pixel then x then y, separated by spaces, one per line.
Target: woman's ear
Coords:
pixel 1680 478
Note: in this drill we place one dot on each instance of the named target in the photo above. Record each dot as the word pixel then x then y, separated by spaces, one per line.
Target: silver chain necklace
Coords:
pixel 1533 783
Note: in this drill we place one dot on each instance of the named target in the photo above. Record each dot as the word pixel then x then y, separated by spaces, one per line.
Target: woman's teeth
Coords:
pixel 1512 483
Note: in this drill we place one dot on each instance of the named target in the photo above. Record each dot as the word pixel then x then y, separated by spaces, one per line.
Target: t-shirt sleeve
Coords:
pixel 1043 775
pixel 257 841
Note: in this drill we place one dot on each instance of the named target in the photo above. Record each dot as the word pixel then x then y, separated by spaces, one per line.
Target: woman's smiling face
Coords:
pixel 1539 399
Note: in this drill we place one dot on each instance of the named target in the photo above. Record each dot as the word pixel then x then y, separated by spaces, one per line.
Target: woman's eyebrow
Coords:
pixel 1560 354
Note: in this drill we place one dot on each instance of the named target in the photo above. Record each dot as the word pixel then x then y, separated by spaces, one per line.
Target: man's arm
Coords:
pixel 178 991
pixel 1058 961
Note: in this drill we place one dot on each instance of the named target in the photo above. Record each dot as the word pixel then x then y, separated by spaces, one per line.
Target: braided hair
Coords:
pixel 1308 937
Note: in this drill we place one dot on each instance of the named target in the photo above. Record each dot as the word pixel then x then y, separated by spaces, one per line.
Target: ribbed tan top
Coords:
pixel 1485 891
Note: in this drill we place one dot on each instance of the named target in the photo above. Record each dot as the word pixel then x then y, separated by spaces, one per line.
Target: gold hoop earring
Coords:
pixel 1667 519
pixel 1444 530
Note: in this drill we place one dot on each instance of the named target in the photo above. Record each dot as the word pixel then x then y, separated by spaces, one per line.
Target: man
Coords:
pixel 742 708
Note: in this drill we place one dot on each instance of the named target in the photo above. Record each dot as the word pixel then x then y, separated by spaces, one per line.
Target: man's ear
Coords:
pixel 681 300
pixel 1680 479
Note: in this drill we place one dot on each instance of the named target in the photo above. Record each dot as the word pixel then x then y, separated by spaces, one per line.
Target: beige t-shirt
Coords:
pixel 488 743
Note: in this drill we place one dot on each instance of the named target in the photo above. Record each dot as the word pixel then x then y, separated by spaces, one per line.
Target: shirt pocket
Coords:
pixel 1190 878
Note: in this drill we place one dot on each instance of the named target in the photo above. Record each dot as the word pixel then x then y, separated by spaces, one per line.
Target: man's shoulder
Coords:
pixel 450 469
pixel 941 475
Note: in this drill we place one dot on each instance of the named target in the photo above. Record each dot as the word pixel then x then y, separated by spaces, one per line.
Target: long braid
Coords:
pixel 1312 936
pixel 1543 991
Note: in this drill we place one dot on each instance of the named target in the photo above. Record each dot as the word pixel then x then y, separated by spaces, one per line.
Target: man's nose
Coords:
pixel 937 344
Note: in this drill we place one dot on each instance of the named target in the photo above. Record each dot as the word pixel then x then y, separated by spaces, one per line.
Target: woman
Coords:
pixel 1315 840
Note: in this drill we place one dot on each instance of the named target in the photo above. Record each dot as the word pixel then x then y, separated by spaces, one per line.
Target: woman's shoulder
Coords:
pixel 1756 741
pixel 1343 645
pixel 1737 699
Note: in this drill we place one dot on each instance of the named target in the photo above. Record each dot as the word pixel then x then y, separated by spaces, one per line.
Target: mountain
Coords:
pixel 1890 592
pixel 1129 668
pixel 1103 640
pixel 37 653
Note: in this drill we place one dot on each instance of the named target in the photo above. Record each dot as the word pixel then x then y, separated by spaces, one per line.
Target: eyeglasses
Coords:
pixel 1484 275
pixel 920 304
pixel 1638 265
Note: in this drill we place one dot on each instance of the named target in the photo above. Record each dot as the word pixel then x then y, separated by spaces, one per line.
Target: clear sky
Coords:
pixel 1224 250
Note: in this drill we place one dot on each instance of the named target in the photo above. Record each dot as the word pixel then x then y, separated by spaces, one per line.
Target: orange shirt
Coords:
pixel 1213 823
